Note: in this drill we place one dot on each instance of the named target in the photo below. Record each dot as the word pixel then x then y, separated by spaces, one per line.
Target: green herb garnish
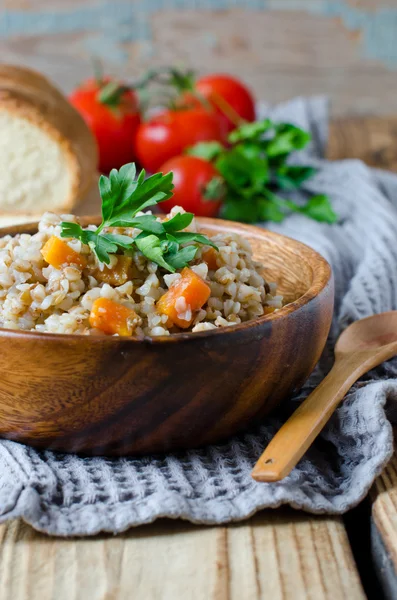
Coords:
pixel 254 169
pixel 123 196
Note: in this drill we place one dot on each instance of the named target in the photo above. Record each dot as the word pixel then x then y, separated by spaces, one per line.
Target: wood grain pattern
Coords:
pixel 371 139
pixel 107 395
pixel 384 516
pixel 276 555
pixel 343 49
pixel 364 345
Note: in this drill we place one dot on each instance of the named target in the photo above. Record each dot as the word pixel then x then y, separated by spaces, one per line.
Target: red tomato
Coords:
pixel 191 177
pixel 114 127
pixel 231 99
pixel 167 134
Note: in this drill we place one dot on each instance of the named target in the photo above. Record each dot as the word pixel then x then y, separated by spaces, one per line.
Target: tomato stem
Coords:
pixel 215 189
pixel 111 93
pixel 227 110
pixel 97 68
pixel 183 81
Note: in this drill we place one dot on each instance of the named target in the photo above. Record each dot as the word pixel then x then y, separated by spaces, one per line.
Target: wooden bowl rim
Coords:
pixel 321 278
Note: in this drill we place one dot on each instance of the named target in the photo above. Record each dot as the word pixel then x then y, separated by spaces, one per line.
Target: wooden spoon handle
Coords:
pixel 296 435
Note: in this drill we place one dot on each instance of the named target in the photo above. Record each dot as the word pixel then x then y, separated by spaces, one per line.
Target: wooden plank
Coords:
pixel 371 139
pixel 384 508
pixel 281 49
pixel 384 527
pixel 277 554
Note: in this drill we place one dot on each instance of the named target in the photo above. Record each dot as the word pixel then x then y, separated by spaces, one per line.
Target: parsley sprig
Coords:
pixel 254 169
pixel 123 196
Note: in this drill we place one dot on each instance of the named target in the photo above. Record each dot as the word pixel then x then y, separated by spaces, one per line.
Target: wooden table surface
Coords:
pixel 277 554
pixel 343 49
pixel 282 48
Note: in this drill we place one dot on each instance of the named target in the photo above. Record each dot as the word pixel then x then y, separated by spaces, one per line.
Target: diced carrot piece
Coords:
pixel 209 256
pixel 112 317
pixel 185 297
pixel 117 275
pixel 59 254
pixel 268 310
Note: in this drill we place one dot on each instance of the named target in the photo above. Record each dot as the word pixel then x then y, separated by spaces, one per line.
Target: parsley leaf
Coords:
pixel 137 197
pixel 271 208
pixel 189 236
pixel 123 196
pixel 103 248
pixel 243 174
pixel 291 177
pixel 73 230
pixel 183 257
pixel 287 138
pixel 169 245
pixel 250 131
pixel 254 168
pixel 236 209
pixel 146 223
pixel 205 150
pixel 150 246
pixel 124 241
pixel 178 222
pixel 319 208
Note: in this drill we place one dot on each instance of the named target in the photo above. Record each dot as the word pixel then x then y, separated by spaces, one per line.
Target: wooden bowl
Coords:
pixel 119 396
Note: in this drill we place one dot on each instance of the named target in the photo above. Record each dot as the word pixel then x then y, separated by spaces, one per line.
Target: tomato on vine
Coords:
pixel 168 133
pixel 111 111
pixel 198 187
pixel 230 98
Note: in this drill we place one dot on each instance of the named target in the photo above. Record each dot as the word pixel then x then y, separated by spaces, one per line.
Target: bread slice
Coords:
pixel 48 156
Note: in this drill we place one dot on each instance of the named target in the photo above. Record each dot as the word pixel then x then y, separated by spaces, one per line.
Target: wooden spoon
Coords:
pixel 363 345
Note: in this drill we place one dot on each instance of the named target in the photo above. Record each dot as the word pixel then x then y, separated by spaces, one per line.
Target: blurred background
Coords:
pixel 343 48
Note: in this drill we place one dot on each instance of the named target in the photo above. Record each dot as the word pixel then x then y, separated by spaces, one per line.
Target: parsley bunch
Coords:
pixel 254 169
pixel 123 196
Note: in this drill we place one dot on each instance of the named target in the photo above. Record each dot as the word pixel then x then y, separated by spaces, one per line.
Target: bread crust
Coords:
pixel 30 96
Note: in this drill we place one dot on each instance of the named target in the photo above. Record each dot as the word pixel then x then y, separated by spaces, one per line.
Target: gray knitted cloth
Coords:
pixel 68 495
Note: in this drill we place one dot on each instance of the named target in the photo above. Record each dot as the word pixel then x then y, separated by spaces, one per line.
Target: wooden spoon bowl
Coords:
pixel 119 396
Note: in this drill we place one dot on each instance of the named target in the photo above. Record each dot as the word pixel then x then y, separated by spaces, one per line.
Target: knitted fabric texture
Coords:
pixel 69 495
